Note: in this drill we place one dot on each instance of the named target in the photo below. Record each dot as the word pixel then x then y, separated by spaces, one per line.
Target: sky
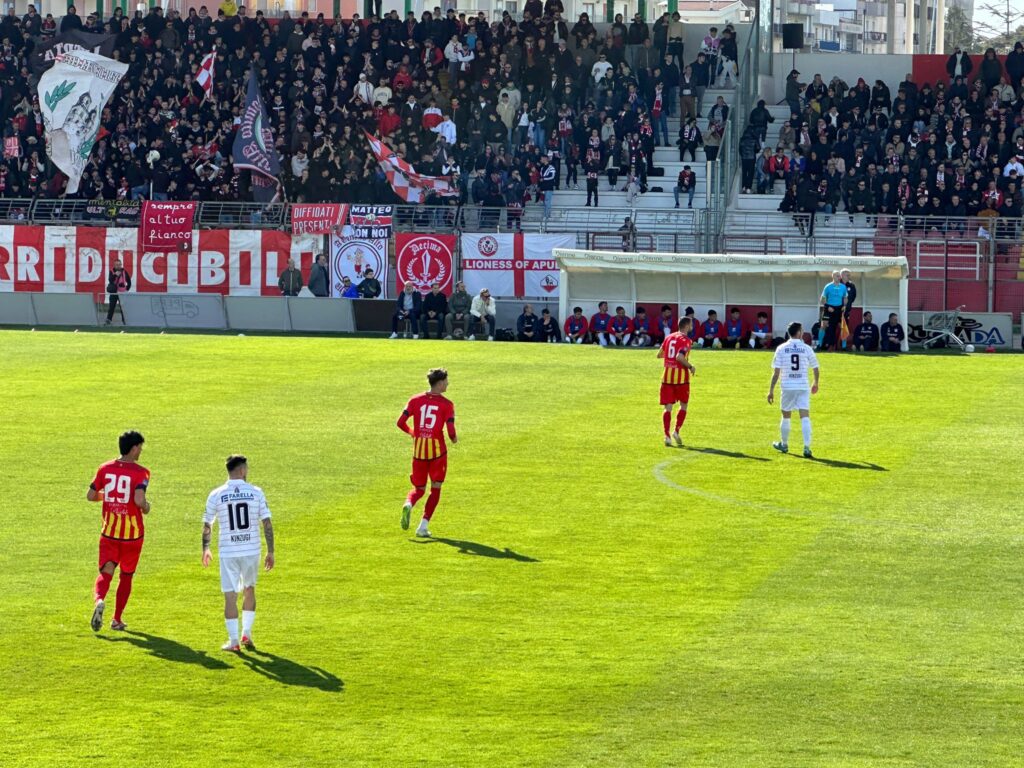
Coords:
pixel 980 14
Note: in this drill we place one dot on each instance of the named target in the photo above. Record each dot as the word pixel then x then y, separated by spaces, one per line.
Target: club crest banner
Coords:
pixel 423 260
pixel 351 256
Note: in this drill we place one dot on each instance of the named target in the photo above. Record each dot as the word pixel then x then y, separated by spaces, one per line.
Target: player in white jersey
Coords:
pixel 793 360
pixel 239 509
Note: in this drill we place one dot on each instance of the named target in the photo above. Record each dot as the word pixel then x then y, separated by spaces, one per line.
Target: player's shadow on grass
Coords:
pixel 166 649
pixel 847 464
pixel 288 672
pixel 480 550
pixel 726 454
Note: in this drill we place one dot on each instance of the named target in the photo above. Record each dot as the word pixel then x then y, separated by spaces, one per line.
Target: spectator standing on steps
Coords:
pixel 748 155
pixel 793 89
pixel 118 282
pixel 290 281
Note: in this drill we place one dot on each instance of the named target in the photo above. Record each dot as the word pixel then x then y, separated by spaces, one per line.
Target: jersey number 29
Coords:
pixel 117 489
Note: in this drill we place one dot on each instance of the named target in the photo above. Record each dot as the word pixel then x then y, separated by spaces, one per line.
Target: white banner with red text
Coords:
pixel 512 265
pixel 424 260
pixel 77 259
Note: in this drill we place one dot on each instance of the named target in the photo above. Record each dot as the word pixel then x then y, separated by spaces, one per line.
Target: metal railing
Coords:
pixel 667 225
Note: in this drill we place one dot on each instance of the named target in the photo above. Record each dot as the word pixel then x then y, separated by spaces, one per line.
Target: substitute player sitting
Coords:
pixel 121 485
pixel 239 509
pixel 675 380
pixel 792 361
pixel 432 414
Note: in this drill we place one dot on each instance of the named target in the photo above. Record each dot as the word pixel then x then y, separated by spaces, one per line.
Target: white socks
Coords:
pixel 232 625
pixel 805 427
pixel 784 430
pixel 248 617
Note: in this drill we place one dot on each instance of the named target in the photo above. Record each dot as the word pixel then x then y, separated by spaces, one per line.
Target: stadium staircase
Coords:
pixel 666 159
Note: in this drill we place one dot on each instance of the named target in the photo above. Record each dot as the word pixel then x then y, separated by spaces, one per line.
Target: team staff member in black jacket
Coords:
pixel 118 281
pixel 434 307
pixel 851 295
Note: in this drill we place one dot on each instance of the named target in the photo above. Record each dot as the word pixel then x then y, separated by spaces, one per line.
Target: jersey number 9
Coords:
pixel 794 362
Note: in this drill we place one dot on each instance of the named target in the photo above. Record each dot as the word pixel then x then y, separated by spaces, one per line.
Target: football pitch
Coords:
pixel 592 598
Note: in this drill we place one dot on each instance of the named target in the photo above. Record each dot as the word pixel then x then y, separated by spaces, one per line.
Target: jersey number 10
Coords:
pixel 238 516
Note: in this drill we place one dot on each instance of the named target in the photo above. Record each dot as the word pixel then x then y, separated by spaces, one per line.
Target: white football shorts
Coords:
pixel 796 399
pixel 237 573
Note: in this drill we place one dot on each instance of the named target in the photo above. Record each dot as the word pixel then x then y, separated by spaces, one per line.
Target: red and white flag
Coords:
pixel 412 187
pixel 512 265
pixel 204 76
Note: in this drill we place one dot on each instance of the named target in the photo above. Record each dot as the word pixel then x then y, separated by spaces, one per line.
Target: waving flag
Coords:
pixel 204 76
pixel 253 149
pixel 72 95
pixel 412 187
pixel 45 54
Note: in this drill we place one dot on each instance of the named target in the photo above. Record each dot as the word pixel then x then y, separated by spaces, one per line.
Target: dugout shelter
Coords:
pixel 786 287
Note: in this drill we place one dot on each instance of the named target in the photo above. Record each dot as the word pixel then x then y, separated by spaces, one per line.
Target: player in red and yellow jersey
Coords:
pixel 675 380
pixel 121 485
pixel 432 415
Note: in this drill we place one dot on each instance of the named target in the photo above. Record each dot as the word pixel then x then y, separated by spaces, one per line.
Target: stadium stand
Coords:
pixel 931 171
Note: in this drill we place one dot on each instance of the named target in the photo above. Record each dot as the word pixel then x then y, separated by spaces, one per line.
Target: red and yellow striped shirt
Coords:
pixel 117 482
pixel 431 415
pixel 675 344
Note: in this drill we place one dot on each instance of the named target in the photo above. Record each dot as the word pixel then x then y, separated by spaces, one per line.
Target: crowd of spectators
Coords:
pixel 511 109
pixel 950 149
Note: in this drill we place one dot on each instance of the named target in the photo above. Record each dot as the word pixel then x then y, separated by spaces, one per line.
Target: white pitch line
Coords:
pixel 659 475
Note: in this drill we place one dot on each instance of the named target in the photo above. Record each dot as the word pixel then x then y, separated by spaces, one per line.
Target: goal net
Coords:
pixel 787 288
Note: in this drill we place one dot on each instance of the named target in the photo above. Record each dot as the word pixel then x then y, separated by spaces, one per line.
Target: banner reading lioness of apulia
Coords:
pixel 512 265
pixel 72 95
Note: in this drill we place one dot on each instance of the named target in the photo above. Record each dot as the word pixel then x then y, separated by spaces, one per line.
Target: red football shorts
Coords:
pixel 433 469
pixel 125 553
pixel 675 393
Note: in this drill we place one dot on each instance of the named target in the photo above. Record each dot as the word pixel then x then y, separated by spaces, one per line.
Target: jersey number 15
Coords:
pixel 428 416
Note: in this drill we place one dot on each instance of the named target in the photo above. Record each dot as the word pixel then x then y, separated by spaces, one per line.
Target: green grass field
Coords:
pixel 593 598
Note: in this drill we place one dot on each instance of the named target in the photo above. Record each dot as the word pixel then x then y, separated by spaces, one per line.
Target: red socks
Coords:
pixel 415 495
pixel 432 499
pixel 666 419
pixel 102 585
pixel 124 589
pixel 680 418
